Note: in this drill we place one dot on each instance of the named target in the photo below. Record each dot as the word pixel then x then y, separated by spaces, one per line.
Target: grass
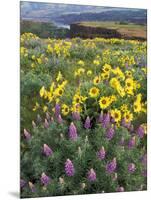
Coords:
pixel 126 29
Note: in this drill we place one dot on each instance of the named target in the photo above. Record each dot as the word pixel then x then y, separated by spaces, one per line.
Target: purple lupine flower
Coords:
pixel 106 120
pixel 22 183
pixel 69 168
pixel 27 135
pixel 101 153
pixel 31 186
pixel 131 168
pixel 91 175
pixel 57 110
pixel 47 151
pixel 76 116
pixel 72 131
pixel 45 180
pixel 119 189
pixel 111 166
pixel 110 133
pixel 87 123
pixel 100 118
pixel 125 124
pixel 59 119
pixel 140 132
pixel 46 124
pixel 132 142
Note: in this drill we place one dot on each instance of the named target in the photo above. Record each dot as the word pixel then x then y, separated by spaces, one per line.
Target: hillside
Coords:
pixel 68 13
pixel 43 29
pixel 108 30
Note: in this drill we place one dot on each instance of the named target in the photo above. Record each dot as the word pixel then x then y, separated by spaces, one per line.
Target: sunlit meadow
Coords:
pixel 83 116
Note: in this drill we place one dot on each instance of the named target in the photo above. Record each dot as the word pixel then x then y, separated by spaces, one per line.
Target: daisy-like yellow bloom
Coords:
pixel 128 116
pixel 50 96
pixel 118 72
pixel 59 77
pixel 113 98
pixel 81 63
pixel 45 108
pixel 89 72
pixel 96 62
pixel 120 90
pixel 79 72
pixel 39 60
pixel 94 92
pixel 58 92
pixel 104 102
pixel 129 83
pixel 33 57
pixel 49 49
pixel 96 80
pixel 106 68
pixel 76 99
pixel 114 82
pixel 116 114
pixel 43 92
pixel 105 75
pixel 65 109
pixel 128 73
pixel 137 106
pixel 124 108
pixel 139 97
pixel 76 108
pixel 33 65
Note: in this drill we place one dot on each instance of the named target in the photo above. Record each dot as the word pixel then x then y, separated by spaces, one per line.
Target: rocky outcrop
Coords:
pixel 78 30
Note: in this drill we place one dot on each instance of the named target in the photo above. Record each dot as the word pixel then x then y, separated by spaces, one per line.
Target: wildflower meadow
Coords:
pixel 83 116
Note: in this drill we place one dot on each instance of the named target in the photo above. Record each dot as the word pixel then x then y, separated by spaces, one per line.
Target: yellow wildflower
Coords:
pixel 104 102
pixel 96 62
pixel 96 80
pixel 106 68
pixel 45 108
pixel 128 116
pixel 89 72
pixel 43 92
pixel 65 109
pixel 94 92
pixel 116 114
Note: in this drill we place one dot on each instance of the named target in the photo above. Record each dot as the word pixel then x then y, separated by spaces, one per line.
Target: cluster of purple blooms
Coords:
pixel 101 153
pixel 91 175
pixel 111 166
pixel 69 168
pixel 72 131
pixel 45 180
pixel 109 125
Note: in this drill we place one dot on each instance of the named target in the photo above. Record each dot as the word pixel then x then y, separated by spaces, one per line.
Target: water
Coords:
pixel 60 25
